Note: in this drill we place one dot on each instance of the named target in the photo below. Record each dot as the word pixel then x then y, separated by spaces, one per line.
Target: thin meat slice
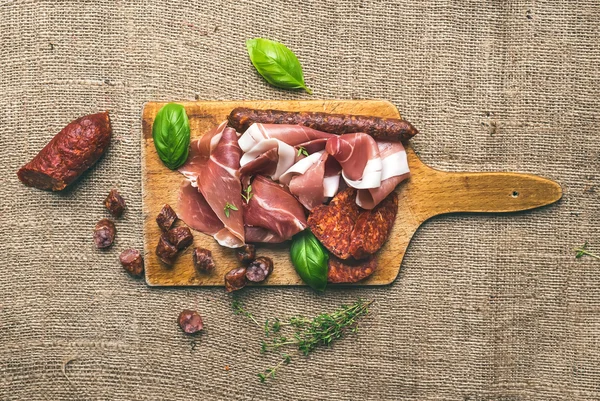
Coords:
pixel 274 209
pixel 220 185
pixel 309 186
pixel 286 155
pixel 200 150
pixel 358 154
pixel 290 134
pixel 195 211
pixel 260 234
pixel 394 171
pixel 265 164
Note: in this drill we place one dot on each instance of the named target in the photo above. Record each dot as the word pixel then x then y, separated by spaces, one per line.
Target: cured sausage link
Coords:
pixel 389 129
pixel 72 151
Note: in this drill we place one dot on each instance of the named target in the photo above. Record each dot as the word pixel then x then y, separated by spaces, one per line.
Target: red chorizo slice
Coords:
pixel 203 260
pixel 181 237
pixel 246 253
pixel 389 129
pixel 104 233
pixel 166 217
pixel 235 279
pixel 166 251
pixel 115 203
pixel 72 151
pixel 259 269
pixel 132 262
pixel 346 271
pixel 373 227
pixel 333 224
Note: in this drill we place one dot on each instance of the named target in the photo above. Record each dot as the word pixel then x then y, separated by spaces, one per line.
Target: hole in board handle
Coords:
pixel 515 194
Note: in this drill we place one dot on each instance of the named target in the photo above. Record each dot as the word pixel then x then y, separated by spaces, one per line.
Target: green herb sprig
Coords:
pixel 305 334
pixel 247 194
pixel 302 151
pixel 583 250
pixel 228 207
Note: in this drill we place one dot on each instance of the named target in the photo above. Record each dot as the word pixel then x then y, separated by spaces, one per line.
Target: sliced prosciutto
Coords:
pixel 200 150
pixel 274 210
pixel 291 134
pixel 195 211
pixel 394 171
pixel 219 183
pixel 358 154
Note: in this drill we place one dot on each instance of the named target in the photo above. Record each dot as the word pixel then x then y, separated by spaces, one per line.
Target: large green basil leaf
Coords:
pixel 310 259
pixel 171 134
pixel 276 63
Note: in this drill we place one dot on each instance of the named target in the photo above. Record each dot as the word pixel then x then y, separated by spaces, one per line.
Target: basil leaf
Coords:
pixel 310 259
pixel 276 63
pixel 171 134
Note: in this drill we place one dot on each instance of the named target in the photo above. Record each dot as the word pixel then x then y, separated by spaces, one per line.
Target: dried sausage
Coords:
pixel 115 203
pixel 166 217
pixel 190 321
pixel 104 233
pixel 373 227
pixel 333 224
pixel 72 151
pixel 181 237
pixel 203 260
pixel 246 253
pixel 235 279
pixel 349 271
pixel 166 251
pixel 132 262
pixel 389 129
pixel 259 269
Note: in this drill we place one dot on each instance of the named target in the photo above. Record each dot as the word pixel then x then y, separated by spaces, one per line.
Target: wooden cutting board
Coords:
pixel 427 193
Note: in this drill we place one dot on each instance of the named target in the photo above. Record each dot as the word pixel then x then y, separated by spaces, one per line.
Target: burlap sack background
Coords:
pixel 486 307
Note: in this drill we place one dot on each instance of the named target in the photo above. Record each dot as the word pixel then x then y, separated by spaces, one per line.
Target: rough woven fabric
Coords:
pixel 486 307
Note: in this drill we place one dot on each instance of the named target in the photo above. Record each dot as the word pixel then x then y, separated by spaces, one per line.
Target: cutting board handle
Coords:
pixel 484 192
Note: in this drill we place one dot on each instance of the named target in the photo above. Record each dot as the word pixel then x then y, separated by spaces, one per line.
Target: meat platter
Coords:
pixel 426 193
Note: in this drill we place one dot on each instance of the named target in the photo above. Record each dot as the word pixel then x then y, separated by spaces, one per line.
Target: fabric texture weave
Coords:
pixel 486 307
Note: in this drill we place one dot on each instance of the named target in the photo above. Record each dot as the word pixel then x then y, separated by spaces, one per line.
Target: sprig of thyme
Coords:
pixel 306 334
pixel 583 250
pixel 238 309
pixel 302 151
pixel 247 194
pixel 228 207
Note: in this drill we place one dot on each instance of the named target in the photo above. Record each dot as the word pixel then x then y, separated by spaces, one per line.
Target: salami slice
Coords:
pixel 350 271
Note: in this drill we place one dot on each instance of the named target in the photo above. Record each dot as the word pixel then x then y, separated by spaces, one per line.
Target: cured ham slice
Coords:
pixel 265 164
pixel 309 187
pixel 286 155
pixel 220 185
pixel 394 171
pixel 260 234
pixel 358 154
pixel 200 150
pixel 274 210
pixel 291 134
pixel 353 152
pixel 195 211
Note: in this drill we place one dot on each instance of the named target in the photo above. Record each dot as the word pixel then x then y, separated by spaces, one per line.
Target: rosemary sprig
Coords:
pixel 247 194
pixel 582 250
pixel 302 151
pixel 305 334
pixel 228 207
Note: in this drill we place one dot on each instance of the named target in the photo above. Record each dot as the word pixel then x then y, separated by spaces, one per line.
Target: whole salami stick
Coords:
pixel 389 129
pixel 72 151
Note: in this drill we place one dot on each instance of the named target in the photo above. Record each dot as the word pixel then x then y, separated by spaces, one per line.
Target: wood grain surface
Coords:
pixel 427 193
